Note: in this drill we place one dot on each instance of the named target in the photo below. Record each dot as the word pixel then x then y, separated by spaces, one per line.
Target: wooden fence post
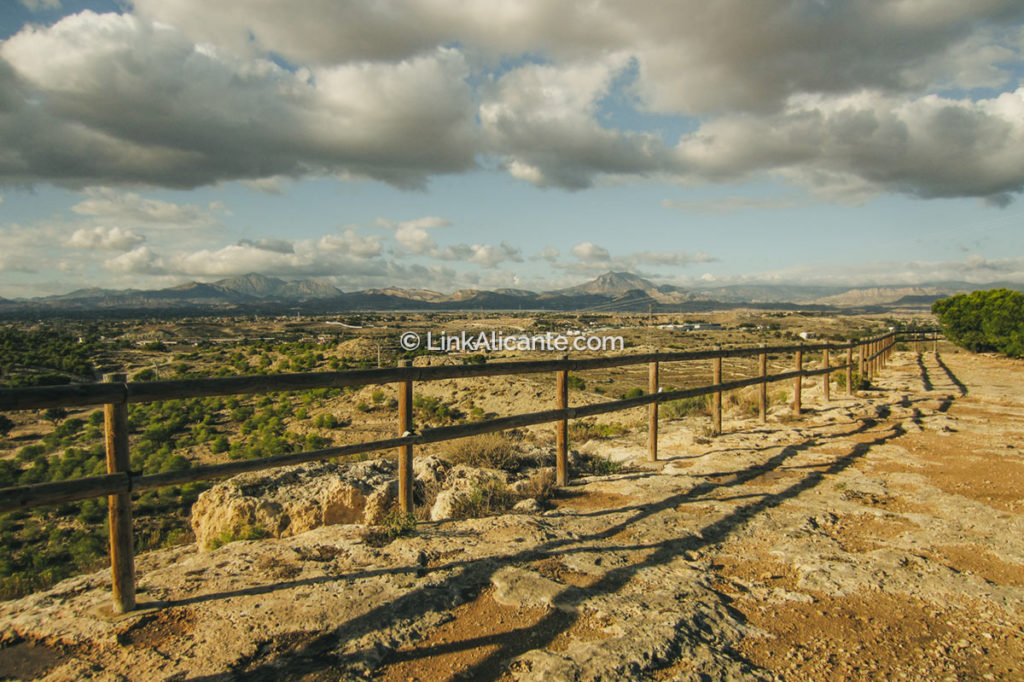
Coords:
pixel 762 394
pixel 122 550
pixel 716 406
pixel 562 431
pixel 405 483
pixel 652 430
pixel 935 343
pixel 799 386
pixel 828 375
pixel 849 369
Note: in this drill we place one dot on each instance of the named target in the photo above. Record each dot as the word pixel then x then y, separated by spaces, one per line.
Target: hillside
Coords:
pixel 875 538
pixel 612 291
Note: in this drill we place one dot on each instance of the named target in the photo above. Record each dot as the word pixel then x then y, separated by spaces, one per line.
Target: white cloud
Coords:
pixel 181 93
pixel 413 235
pixel 112 205
pixel 273 185
pixel 541 119
pixel 590 252
pixel 112 98
pixel 352 244
pixel 676 258
pixel 140 261
pixel 487 255
pixel 275 245
pixel 548 253
pixel 106 238
pixel 930 146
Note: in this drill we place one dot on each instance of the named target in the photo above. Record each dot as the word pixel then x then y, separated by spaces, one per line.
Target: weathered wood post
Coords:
pixel 562 431
pixel 935 343
pixel 716 406
pixel 828 375
pixel 762 393
pixel 405 483
pixel 122 550
pixel 652 415
pixel 799 385
pixel 849 369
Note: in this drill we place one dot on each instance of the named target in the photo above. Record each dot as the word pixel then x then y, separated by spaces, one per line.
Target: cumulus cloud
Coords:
pixel 413 235
pixel 181 93
pixel 590 252
pixel 275 245
pixel 112 205
pixel 140 261
pixel 548 253
pixel 929 146
pixel 106 238
pixel 541 119
pixel 352 244
pixel 487 255
pixel 112 82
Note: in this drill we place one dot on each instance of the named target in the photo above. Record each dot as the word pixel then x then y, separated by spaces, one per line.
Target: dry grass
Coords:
pixel 486 451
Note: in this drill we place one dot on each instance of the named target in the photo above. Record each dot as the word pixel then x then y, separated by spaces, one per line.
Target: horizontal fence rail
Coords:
pixel 116 393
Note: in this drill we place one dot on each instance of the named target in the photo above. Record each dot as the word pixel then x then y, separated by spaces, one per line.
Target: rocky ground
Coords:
pixel 878 537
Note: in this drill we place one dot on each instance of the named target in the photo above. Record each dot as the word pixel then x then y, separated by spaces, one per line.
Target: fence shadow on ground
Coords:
pixel 319 655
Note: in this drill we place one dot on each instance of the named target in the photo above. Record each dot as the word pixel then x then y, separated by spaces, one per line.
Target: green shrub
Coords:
pixel 686 407
pixel 576 383
pixel 398 523
pixel 597 465
pixel 859 383
pixel 488 497
pixel 245 532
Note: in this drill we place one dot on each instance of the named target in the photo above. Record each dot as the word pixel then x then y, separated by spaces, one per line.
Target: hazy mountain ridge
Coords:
pixel 611 292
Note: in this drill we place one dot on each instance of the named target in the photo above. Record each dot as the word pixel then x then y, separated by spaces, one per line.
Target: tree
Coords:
pixel 5 425
pixel 55 415
pixel 983 321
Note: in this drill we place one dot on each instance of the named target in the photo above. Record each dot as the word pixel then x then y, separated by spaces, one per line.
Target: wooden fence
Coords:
pixel 115 394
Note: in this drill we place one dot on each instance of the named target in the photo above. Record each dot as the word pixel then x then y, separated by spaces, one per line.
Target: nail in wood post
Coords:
pixel 652 430
pixel 799 385
pixel 762 394
pixel 562 432
pixel 716 409
pixel 122 551
pixel 849 370
pixel 827 375
pixel 405 485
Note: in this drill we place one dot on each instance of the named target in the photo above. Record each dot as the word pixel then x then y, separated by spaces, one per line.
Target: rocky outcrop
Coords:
pixel 292 500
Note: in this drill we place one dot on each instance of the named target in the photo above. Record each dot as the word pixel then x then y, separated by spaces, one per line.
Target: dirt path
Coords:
pixel 876 538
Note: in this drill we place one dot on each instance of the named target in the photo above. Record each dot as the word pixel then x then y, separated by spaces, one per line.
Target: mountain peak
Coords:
pixel 612 284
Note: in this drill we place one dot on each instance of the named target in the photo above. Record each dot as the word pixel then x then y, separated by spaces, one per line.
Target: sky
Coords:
pixel 535 144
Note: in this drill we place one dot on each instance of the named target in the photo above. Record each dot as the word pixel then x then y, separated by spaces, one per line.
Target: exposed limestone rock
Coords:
pixel 461 482
pixel 292 500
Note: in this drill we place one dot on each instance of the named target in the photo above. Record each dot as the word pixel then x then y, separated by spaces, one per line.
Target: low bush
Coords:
pixel 487 451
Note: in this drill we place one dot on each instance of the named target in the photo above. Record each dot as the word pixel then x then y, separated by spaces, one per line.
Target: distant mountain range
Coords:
pixel 611 292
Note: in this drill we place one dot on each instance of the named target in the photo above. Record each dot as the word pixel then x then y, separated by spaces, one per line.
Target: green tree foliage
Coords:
pixel 5 425
pixel 24 353
pixel 984 321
